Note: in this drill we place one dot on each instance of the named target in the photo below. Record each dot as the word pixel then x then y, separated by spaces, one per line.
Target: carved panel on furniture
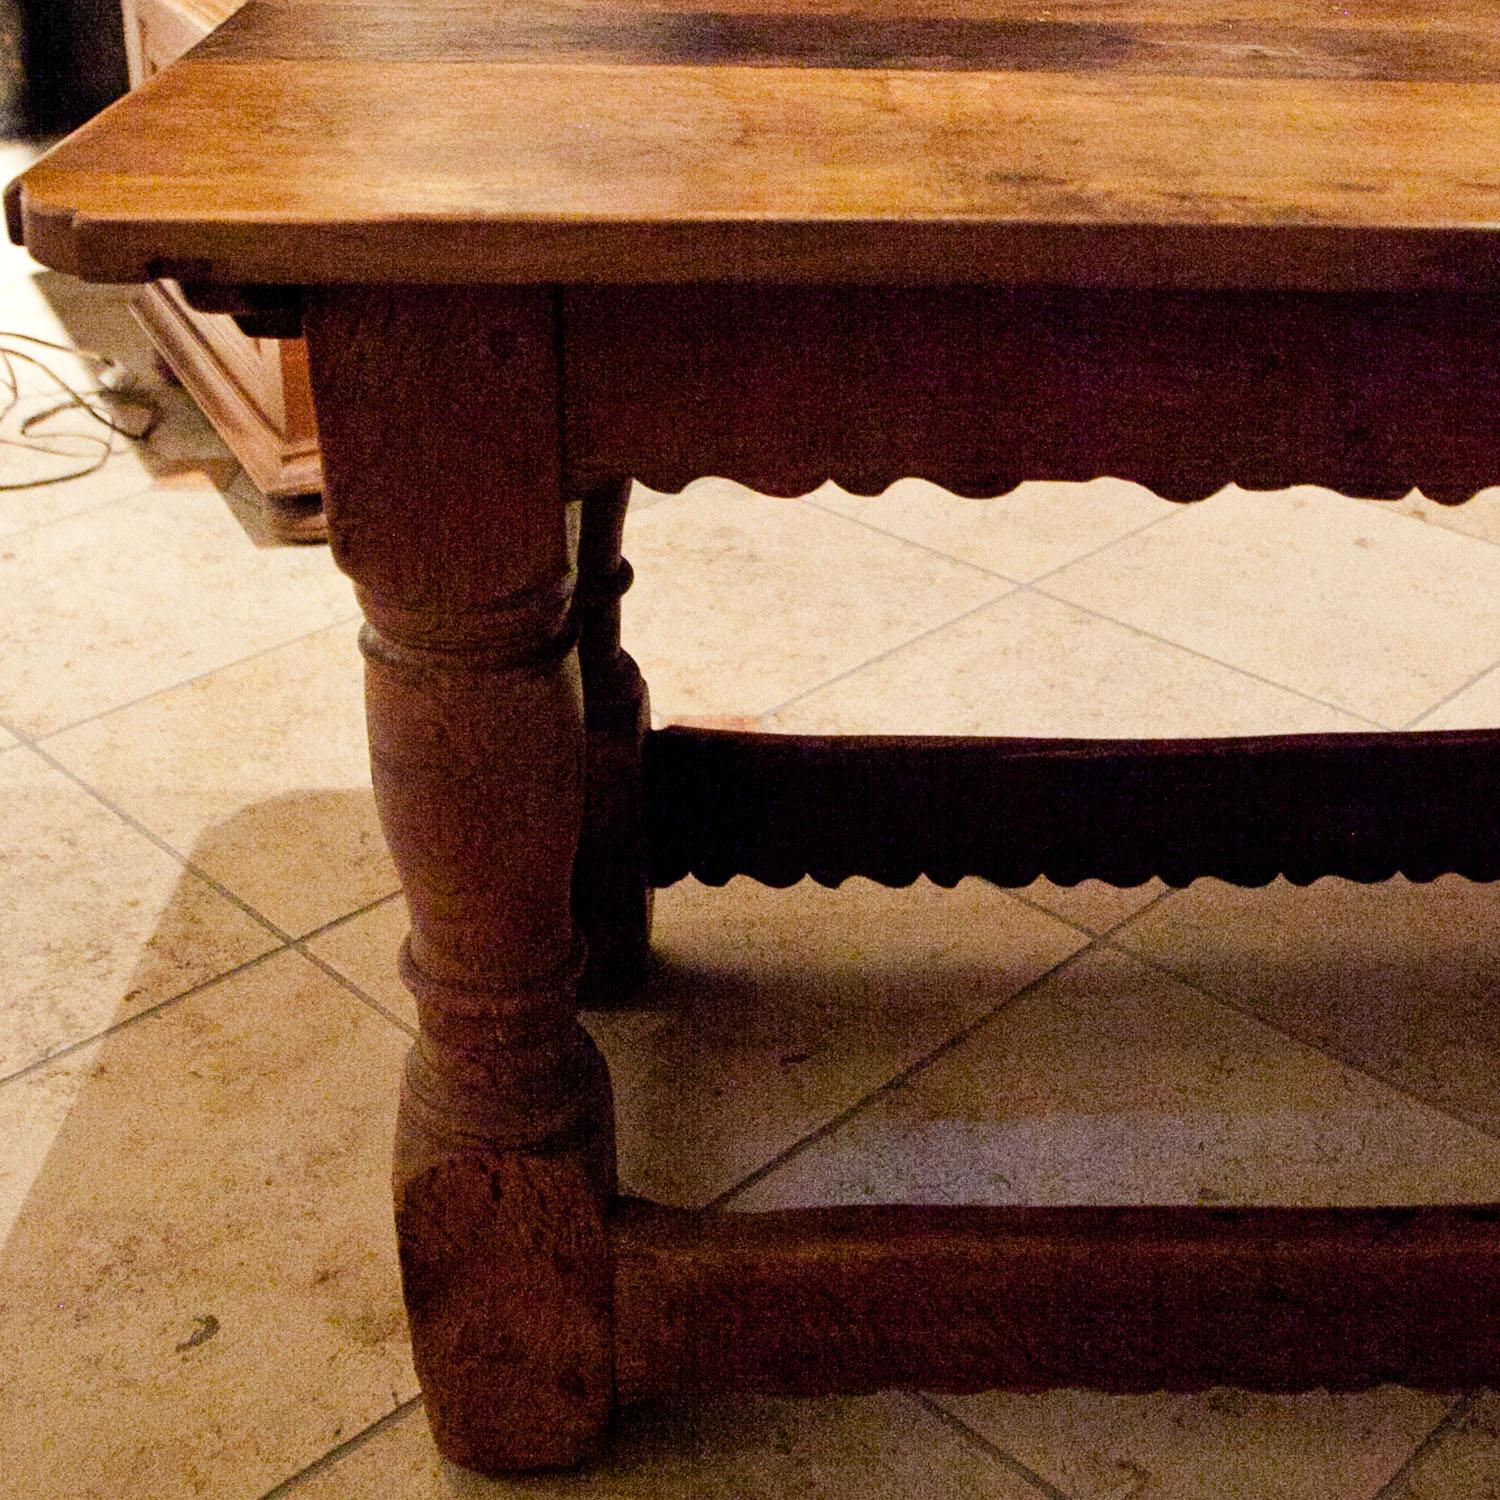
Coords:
pixel 254 391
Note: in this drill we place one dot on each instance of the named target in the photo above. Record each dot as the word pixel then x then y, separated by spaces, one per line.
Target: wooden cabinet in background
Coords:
pixel 254 391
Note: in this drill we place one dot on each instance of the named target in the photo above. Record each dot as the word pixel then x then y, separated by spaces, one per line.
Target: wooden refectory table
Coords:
pixel 783 241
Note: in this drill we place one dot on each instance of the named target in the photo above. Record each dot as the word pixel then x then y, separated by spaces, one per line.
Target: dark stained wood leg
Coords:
pixel 611 894
pixel 456 538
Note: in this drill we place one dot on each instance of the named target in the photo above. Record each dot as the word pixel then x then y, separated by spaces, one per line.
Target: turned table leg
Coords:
pixel 611 895
pixel 437 409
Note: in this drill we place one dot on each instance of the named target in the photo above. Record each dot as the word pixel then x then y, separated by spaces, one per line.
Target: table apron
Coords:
pixel 978 388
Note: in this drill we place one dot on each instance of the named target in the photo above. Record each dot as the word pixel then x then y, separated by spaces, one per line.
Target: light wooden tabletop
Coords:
pixel 1142 142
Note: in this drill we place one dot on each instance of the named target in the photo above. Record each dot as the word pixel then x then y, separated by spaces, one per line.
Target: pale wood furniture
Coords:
pixel 255 391
pixel 974 240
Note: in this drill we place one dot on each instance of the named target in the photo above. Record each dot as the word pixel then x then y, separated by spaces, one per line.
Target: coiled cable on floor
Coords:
pixel 119 405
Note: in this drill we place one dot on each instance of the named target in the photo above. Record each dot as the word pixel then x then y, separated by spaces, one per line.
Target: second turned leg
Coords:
pixel 611 893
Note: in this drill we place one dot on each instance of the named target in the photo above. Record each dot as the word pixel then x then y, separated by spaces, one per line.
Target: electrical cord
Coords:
pixel 116 385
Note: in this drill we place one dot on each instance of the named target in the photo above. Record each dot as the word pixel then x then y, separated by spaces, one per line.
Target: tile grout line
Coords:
pixel 1216 661
pixel 133 822
pixel 1229 1003
pixel 35 741
pixel 1448 698
pixel 906 541
pixel 341 1450
pixel 1101 941
pixel 359 911
pixel 1100 933
pixel 892 1084
pixel 1095 940
pixel 294 946
pixel 993 1450
pixel 286 940
pixel 1394 1487
pixel 1018 585
pixel 1388 507
pixel 1177 508
pixel 354 989
pixel 1031 586
pixel 880 656
pixel 38 1063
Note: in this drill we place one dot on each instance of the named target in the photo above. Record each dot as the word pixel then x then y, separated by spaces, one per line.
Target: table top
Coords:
pixel 1300 143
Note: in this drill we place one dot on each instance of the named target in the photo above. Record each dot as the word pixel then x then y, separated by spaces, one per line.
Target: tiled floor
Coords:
pixel 201 1024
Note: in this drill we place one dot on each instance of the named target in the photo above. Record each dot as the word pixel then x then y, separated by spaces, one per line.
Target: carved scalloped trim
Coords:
pixel 782 808
pixel 870 485
pixel 717 874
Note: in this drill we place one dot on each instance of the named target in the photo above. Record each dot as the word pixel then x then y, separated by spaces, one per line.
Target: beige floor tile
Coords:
pixel 1036 528
pixel 120 479
pixel 771 1011
pixel 1327 595
pixel 1475 707
pixel 364 950
pixel 642 496
pixel 259 774
pixel 96 922
pixel 742 602
pixel 1464 1464
pixel 1110 1083
pixel 1093 903
pixel 746 1448
pixel 1477 517
pixel 1397 979
pixel 129 598
pixel 1231 1445
pixel 198 1288
pixel 1031 665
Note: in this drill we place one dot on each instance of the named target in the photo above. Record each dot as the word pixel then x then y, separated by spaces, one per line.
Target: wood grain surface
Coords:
pixel 781 808
pixel 1146 1298
pixel 504 1160
pixel 1151 144
pixel 979 388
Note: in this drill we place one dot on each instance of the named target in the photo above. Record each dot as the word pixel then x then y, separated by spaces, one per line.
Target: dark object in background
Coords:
pixel 12 70
pixel 72 61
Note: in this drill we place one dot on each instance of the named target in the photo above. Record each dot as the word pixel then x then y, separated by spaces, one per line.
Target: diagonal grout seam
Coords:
pixel 1016 586
pixel 336 1454
pixel 286 940
pixel 1448 698
pixel 37 1064
pixel 147 833
pixel 992 1450
pixel 354 989
pixel 1030 586
pixel 895 536
pixel 1395 1487
pixel 1204 656
pixel 895 1082
pixel 1098 942
pixel 296 946
pixel 1109 941
pixel 1179 508
pixel 1018 893
pixel 921 635
pixel 359 911
pixel 980 567
pixel 114 708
